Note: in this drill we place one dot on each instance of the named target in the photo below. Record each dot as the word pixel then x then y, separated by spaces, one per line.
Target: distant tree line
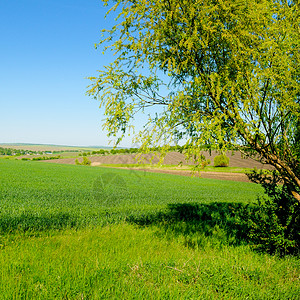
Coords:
pixel 176 148
pixel 16 152
pixel 112 151
pixel 42 158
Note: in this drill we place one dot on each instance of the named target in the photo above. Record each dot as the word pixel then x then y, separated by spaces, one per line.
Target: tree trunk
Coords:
pixel 296 195
pixel 287 173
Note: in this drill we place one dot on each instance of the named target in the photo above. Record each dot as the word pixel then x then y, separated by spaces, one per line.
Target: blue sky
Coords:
pixel 46 53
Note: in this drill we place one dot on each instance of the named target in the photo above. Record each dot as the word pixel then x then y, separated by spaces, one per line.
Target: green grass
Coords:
pixel 44 193
pixel 135 237
pixel 125 262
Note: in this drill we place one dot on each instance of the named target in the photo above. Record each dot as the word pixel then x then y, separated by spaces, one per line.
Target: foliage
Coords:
pixel 16 152
pixel 274 225
pixel 221 73
pixel 101 151
pixel 85 162
pixel 46 157
pixel 275 221
pixel 205 163
pixel 221 161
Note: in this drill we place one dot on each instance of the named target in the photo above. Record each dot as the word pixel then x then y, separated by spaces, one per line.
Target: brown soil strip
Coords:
pixel 211 175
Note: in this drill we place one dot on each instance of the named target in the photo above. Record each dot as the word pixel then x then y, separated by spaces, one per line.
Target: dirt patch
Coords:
pixel 212 175
pixel 95 164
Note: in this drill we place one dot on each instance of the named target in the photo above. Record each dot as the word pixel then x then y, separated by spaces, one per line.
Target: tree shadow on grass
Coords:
pixel 224 222
pixel 30 222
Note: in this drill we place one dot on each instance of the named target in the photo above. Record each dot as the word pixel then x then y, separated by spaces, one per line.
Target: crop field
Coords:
pixel 172 158
pixel 80 232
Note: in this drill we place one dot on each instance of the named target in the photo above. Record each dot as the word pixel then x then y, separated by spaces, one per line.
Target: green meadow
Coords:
pixel 80 232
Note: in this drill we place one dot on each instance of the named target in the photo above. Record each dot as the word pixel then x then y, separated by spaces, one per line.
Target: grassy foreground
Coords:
pixel 71 232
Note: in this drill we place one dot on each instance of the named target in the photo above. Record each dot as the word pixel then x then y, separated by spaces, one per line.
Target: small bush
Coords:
pixel 275 221
pixel 274 225
pixel 85 162
pixel 221 161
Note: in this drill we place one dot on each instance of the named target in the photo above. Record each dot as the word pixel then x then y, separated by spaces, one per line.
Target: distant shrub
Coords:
pixel 133 150
pixel 39 158
pixel 46 157
pixel 221 161
pixel 25 158
pixel 101 151
pixel 85 162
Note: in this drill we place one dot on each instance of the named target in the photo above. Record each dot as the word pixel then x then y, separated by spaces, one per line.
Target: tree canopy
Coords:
pixel 225 72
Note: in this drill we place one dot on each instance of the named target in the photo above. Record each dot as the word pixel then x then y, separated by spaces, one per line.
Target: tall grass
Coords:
pixel 126 262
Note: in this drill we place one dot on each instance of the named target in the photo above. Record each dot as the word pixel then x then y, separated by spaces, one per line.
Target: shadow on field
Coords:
pixel 29 222
pixel 222 221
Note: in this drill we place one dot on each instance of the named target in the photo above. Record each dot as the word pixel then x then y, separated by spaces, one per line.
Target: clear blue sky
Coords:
pixel 46 53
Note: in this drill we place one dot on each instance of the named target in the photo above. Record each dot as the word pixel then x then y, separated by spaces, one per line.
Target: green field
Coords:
pixel 76 232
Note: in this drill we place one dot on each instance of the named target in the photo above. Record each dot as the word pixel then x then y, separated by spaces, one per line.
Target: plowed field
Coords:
pixel 174 158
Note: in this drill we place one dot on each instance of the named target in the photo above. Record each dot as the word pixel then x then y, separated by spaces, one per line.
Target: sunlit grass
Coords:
pixel 129 262
pixel 35 196
pixel 63 237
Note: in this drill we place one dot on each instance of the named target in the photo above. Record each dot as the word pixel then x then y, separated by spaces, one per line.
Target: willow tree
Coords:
pixel 224 72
